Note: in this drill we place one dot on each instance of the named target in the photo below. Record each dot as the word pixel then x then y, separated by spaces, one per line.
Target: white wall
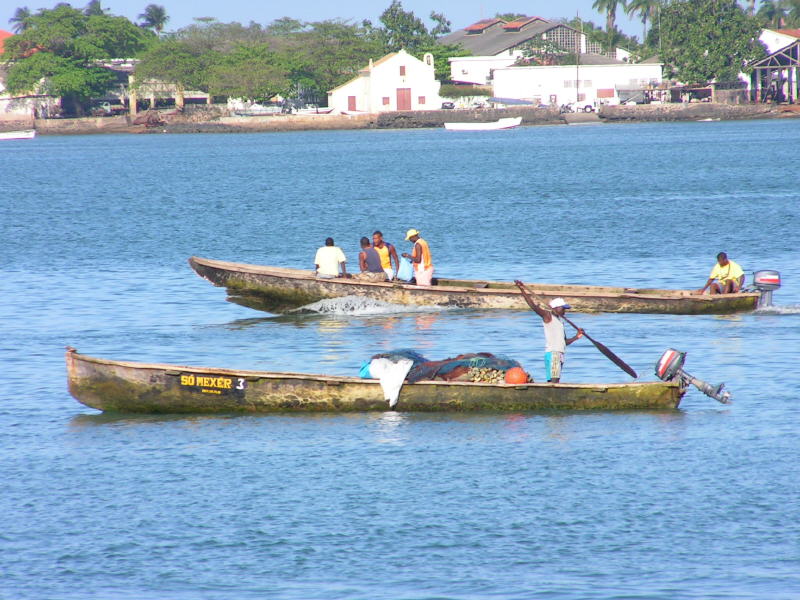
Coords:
pixel 477 69
pixel 379 82
pixel 532 83
pixel 774 40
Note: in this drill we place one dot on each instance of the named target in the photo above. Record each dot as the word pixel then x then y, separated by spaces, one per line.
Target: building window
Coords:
pixel 421 100
pixel 581 97
pixel 386 100
pixel 402 70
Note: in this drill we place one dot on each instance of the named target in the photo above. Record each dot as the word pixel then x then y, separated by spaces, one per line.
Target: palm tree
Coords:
pixel 154 17
pixel 21 19
pixel 610 8
pixel 772 13
pixel 646 9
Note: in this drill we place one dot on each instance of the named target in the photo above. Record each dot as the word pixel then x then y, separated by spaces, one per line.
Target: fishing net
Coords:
pixel 480 366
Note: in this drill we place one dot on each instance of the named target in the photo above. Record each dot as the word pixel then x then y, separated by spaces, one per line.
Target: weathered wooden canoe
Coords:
pixel 276 290
pixel 111 385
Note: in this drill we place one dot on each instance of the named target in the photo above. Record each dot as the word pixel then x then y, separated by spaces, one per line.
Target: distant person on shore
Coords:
pixel 369 261
pixel 726 277
pixel 556 340
pixel 387 253
pixel 420 258
pixel 329 261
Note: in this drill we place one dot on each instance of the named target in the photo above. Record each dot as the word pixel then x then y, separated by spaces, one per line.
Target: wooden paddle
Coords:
pixel 605 350
pixel 602 347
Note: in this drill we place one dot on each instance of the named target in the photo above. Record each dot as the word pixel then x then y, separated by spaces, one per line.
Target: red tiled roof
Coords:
pixel 520 23
pixel 481 25
pixel 791 32
pixel 4 35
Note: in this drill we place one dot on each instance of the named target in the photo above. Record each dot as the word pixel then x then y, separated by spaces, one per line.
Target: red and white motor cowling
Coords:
pixel 670 368
pixel 766 282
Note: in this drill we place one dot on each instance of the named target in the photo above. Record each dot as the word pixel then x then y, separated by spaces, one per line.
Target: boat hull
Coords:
pixel 505 123
pixel 278 290
pixel 130 387
pixel 25 134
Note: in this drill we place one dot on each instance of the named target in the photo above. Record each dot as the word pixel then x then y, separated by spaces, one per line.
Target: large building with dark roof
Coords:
pixel 495 37
pixel 495 43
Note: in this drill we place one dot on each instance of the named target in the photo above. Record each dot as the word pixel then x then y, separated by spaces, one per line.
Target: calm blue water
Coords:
pixel 696 503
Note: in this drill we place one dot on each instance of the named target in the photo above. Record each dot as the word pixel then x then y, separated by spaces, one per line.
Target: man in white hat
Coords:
pixel 556 340
pixel 420 258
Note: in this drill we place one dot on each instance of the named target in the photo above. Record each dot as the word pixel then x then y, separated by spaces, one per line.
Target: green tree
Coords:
pixel 154 17
pixel 252 72
pixel 403 29
pixel 330 53
pixel 771 13
pixel 704 40
pixel 442 24
pixel 509 16
pixel 21 19
pixel 59 50
pixel 174 61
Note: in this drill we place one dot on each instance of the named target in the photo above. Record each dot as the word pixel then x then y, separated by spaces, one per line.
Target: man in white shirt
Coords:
pixel 556 341
pixel 329 260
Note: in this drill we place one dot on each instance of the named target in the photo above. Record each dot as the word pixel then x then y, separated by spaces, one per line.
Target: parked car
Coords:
pixel 448 105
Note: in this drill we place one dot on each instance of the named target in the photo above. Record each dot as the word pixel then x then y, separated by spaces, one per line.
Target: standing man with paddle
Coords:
pixel 556 340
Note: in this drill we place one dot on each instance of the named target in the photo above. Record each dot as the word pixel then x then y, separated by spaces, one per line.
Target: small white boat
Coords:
pixel 25 134
pixel 505 123
pixel 314 110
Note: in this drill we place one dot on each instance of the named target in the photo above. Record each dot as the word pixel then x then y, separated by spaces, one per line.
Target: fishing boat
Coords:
pixel 24 134
pixel 132 387
pixel 504 123
pixel 277 290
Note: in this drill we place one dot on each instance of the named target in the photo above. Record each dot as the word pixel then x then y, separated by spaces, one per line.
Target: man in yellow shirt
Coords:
pixel 726 277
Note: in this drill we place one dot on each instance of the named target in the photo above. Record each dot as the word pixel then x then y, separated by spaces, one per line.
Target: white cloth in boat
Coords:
pixel 391 375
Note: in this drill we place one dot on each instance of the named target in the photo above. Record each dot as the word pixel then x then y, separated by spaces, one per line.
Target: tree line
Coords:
pixel 62 47
pixel 58 51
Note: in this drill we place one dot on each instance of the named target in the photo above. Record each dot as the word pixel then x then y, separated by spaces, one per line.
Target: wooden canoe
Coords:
pixel 276 290
pixel 117 386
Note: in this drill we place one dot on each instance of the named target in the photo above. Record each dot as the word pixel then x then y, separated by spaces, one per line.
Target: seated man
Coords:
pixel 726 277
pixel 329 260
pixel 369 261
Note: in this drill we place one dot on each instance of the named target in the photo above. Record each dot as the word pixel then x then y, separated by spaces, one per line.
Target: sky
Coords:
pixel 460 12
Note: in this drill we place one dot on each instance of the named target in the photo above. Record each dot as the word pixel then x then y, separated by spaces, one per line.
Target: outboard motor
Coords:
pixel 670 367
pixel 766 282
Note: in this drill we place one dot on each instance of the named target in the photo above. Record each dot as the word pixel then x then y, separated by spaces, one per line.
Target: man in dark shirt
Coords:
pixel 369 261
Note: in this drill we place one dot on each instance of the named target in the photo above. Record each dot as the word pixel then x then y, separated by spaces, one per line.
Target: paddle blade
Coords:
pixel 613 357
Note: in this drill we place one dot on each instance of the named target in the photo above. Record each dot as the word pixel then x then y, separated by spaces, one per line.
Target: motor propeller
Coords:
pixel 670 368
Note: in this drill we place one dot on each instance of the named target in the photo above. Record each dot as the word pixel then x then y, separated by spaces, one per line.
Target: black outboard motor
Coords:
pixel 766 282
pixel 670 367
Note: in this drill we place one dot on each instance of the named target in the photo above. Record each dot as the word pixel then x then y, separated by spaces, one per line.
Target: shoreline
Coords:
pixel 210 120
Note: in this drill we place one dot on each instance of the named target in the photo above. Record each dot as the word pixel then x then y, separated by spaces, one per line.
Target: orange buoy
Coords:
pixel 516 375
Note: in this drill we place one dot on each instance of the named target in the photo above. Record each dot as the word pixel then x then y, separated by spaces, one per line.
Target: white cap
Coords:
pixel 556 302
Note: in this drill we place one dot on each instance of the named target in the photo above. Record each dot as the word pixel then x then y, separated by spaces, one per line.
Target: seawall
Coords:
pixel 215 119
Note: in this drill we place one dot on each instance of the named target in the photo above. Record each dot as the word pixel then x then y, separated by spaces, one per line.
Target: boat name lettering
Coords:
pixel 213 384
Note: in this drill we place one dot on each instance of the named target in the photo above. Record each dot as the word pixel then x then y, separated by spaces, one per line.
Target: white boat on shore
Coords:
pixel 505 123
pixel 24 134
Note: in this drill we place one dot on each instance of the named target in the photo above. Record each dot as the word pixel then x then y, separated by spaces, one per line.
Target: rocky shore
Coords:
pixel 216 119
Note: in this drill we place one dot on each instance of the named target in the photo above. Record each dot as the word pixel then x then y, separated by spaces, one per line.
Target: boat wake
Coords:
pixel 359 305
pixel 788 309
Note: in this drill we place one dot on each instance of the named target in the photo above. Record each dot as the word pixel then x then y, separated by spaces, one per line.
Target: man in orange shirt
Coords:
pixel 420 258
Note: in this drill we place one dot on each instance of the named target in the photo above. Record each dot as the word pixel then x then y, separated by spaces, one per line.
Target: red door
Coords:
pixel 351 103
pixel 403 98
